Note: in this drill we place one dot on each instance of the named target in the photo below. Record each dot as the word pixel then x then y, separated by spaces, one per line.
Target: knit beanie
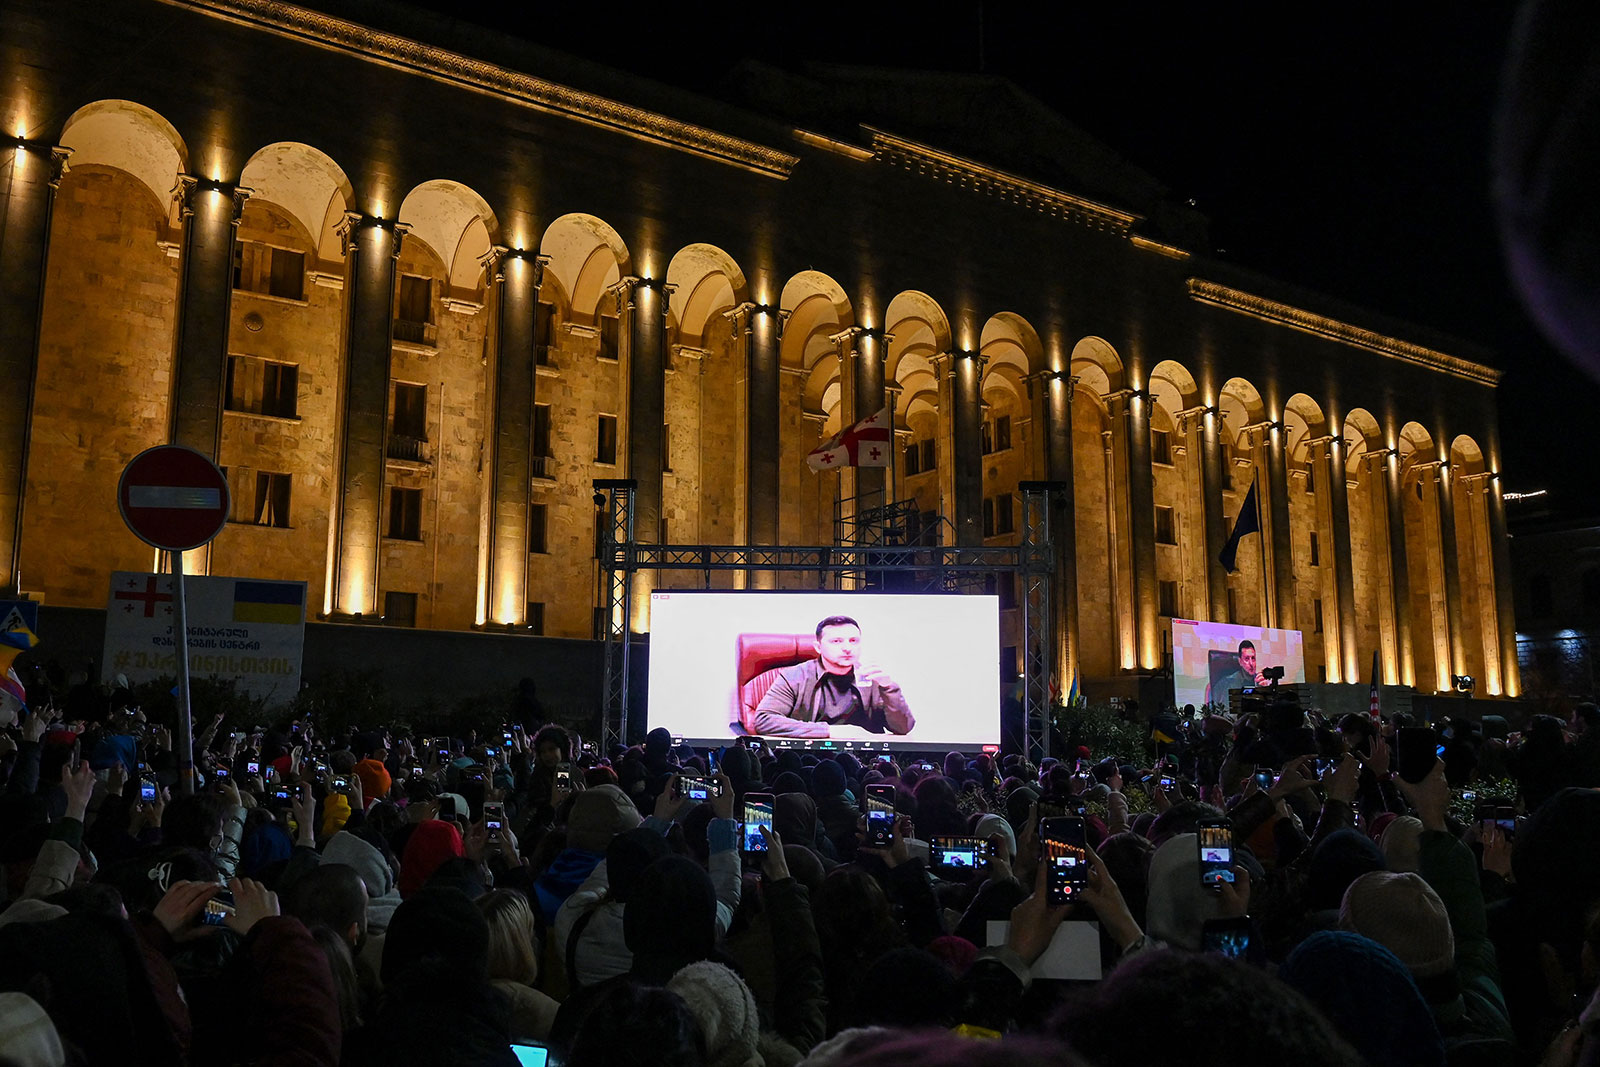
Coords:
pixel 627 856
pixel 1402 844
pixel 1179 905
pixel 27 1036
pixel 383 895
pixel 788 782
pixel 1402 913
pixel 1367 993
pixel 992 824
pixel 598 815
pixel 670 919
pixel 725 1011
pixel 430 844
pixel 375 779
pixel 440 930
pixel 1341 858
pixel 827 779
pixel 335 813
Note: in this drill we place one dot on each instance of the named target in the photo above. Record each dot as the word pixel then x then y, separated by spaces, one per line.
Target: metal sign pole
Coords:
pixel 180 647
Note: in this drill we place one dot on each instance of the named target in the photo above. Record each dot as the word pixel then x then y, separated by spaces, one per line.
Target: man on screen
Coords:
pixel 1241 677
pixel 834 695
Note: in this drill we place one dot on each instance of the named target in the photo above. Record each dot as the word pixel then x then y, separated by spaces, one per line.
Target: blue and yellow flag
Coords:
pixel 14 642
pixel 277 602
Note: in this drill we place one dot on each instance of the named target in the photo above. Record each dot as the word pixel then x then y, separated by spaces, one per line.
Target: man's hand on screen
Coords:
pixel 875 674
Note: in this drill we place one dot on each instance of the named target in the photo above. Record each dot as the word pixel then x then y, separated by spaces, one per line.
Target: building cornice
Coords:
pixel 1259 307
pixel 325 31
pixel 957 170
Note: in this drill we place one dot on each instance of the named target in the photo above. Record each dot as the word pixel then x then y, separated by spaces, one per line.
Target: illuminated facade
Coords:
pixel 414 297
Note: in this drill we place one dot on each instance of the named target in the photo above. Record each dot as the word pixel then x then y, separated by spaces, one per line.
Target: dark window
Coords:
pixel 599 625
pixel 1322 672
pixel 1165 534
pixel 1311 478
pixel 410 411
pixel 605 446
pixel 262 387
pixel 259 498
pixel 1316 616
pixel 405 514
pixel 260 268
pixel 997 517
pixel 601 521
pixel 543 330
pixel 986 436
pixel 1008 663
pixel 666 448
pixel 1161 447
pixel 541 441
pixel 1540 600
pixel 536 616
pixel 930 458
pixel 608 337
pixel 538 516
pixel 996 434
pixel 1168 592
pixel 400 609
pixel 1006 587
pixel 416 299
pixel 913 454
pixel 1316 553
pixel 661 532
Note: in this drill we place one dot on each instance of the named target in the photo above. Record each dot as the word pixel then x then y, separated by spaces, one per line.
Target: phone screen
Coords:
pixel 1229 937
pixel 531 1055
pixel 1066 856
pixel 966 853
pixel 147 790
pixel 880 816
pixel 1416 750
pixel 1216 854
pixel 694 787
pixel 757 813
pixel 1264 777
pixel 564 776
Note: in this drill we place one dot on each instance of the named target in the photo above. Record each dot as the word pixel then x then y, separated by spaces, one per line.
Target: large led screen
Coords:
pixel 889 671
pixel 1210 658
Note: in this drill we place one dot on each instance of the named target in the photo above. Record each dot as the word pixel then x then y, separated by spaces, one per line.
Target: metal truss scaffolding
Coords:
pixel 872 563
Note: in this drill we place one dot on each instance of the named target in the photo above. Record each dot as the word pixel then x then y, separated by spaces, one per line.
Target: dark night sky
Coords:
pixel 1349 155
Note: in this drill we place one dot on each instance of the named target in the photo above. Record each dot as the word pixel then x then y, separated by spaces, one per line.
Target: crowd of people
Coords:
pixel 379 897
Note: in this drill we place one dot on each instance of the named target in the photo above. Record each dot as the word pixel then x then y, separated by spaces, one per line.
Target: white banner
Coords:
pixel 242 628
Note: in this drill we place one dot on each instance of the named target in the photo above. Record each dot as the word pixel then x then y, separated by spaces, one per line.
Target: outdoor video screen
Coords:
pixel 1210 658
pixel 888 672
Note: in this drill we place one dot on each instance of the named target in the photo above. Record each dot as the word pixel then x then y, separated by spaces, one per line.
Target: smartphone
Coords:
pixel 147 789
pixel 1066 858
pixel 220 773
pixel 1216 853
pixel 1264 777
pixel 447 807
pixel 339 785
pixel 217 909
pixel 959 853
pixel 252 766
pixel 530 1055
pixel 444 754
pixel 1054 807
pixel 283 795
pixel 494 818
pixel 880 815
pixel 564 776
pixel 1168 782
pixel 1227 937
pixel 697 788
pixel 516 727
pixel 1416 749
pixel 757 813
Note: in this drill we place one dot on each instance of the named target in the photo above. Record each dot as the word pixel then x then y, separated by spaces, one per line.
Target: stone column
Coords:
pixel 1216 520
pixel 1449 550
pixel 1505 614
pixel 210 212
pixel 1142 530
pixel 1333 476
pixel 371 250
pixel 762 329
pixel 1399 573
pixel 28 185
pixel 966 462
pixel 1052 395
pixel 644 317
pixel 1282 599
pixel 517 278
pixel 867 370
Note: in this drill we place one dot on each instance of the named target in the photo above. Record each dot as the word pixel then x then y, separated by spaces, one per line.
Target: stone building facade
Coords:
pixel 414 286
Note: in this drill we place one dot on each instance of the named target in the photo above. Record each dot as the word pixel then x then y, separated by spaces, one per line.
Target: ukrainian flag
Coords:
pixel 275 602
pixel 13 643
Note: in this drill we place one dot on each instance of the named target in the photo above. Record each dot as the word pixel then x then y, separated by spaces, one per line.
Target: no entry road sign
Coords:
pixel 173 498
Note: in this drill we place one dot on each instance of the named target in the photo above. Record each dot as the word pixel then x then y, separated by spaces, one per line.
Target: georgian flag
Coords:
pixel 868 443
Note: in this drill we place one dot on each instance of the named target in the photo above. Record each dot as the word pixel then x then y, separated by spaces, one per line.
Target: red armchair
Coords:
pixel 759 658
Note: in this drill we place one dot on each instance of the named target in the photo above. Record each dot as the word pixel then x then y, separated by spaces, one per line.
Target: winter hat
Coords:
pixel 1179 905
pixel 1402 844
pixel 828 779
pixel 670 918
pixel 375 779
pixel 1367 993
pixel 627 856
pixel 264 845
pixel 1098 793
pixel 440 930
pixel 1341 858
pixel 383 895
pixel 788 782
pixel 795 819
pixel 27 1036
pixel 725 1011
pixel 430 844
pixel 1402 913
pixel 1378 825
pixel 992 824
pixel 598 815
pixel 956 953
pixel 31 911
pixel 805 866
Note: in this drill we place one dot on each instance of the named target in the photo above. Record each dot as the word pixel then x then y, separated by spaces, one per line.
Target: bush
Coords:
pixel 1105 733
